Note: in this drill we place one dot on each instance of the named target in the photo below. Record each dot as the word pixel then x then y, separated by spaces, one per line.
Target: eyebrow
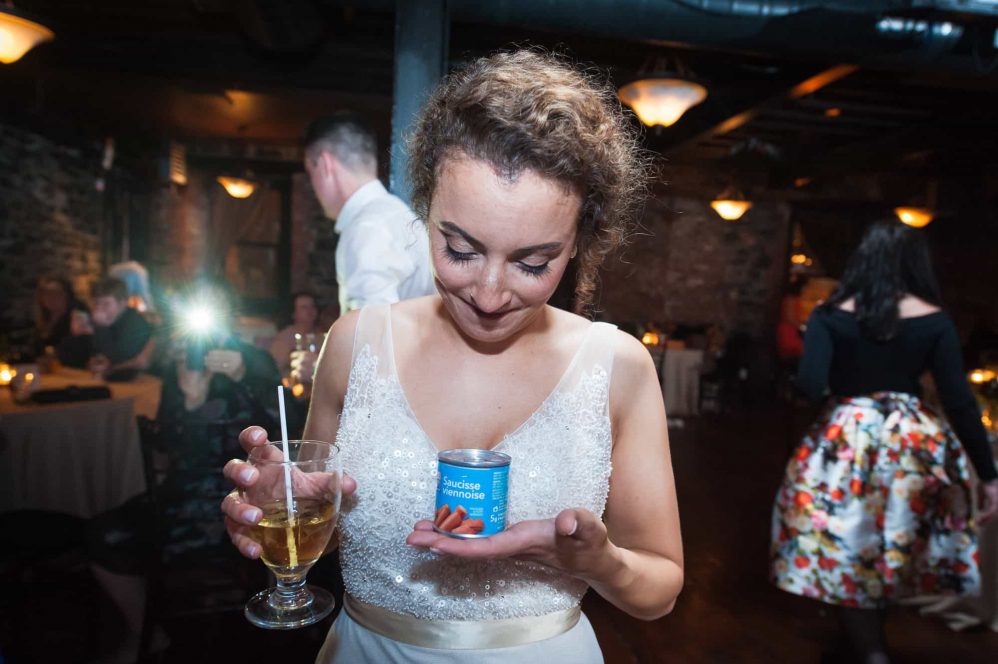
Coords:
pixel 450 227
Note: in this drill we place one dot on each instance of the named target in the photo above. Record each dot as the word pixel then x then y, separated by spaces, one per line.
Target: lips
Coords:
pixel 493 316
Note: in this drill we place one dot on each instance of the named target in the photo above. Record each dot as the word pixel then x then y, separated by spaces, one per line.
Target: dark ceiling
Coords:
pixel 795 94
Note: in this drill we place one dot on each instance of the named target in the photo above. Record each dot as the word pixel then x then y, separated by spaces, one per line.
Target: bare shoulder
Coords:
pixel 912 307
pixel 410 316
pixel 566 324
pixel 632 362
pixel 636 402
pixel 339 339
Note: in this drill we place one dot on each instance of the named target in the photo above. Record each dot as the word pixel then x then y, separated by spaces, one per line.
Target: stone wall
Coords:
pixel 689 266
pixel 50 214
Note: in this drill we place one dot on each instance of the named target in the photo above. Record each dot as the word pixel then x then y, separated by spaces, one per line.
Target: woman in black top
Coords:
pixel 875 504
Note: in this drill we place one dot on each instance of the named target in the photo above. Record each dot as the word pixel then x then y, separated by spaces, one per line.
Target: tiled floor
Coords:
pixel 727 470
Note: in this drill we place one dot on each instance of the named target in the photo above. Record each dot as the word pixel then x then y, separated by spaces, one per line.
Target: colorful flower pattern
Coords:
pixel 875 506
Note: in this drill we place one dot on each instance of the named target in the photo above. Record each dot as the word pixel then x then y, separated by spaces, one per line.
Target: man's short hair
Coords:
pixel 348 137
pixel 111 287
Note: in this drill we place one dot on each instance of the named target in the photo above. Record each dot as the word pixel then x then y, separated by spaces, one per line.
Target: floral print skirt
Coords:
pixel 875 506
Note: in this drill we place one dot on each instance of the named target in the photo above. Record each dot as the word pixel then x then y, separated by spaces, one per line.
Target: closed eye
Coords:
pixel 535 270
pixel 456 256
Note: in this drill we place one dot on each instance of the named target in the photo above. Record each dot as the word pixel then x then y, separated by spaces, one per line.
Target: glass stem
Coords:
pixel 290 595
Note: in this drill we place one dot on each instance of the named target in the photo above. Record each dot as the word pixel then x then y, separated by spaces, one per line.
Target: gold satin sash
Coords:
pixel 460 634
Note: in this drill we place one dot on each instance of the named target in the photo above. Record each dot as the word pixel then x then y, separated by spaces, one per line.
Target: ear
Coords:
pixel 327 164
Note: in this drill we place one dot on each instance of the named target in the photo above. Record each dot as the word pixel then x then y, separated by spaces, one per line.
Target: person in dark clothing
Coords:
pixel 216 385
pixel 875 504
pixel 55 307
pixel 123 341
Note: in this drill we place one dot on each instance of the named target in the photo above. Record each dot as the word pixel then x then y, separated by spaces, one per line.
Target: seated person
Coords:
pixel 123 342
pixel 304 321
pixel 136 279
pixel 56 306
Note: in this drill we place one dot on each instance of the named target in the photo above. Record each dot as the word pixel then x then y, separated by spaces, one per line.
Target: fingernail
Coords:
pixel 252 516
pixel 256 436
pixel 253 550
pixel 434 550
pixel 247 474
pixel 575 526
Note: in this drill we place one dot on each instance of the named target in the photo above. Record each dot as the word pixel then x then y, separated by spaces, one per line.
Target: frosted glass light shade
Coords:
pixel 18 35
pixel 661 101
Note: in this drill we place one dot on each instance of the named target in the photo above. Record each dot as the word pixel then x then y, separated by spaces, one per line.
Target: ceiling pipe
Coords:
pixel 832 30
pixel 785 8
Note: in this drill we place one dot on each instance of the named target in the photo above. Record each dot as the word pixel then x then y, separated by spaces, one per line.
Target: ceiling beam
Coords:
pixel 806 87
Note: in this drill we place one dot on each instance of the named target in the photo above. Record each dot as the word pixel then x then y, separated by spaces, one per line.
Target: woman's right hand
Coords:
pixel 240 515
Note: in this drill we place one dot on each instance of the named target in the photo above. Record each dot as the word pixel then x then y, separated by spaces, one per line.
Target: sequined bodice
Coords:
pixel 560 459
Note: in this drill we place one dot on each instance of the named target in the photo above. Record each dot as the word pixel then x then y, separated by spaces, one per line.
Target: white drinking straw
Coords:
pixel 292 549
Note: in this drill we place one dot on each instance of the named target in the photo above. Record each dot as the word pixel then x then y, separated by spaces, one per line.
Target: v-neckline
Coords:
pixel 530 418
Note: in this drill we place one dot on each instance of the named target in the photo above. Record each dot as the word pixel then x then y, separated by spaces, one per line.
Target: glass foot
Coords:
pixel 263 611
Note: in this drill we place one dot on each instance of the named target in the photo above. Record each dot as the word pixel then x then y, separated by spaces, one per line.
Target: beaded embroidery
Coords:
pixel 561 459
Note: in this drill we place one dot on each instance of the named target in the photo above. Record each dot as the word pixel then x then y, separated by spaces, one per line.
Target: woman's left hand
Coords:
pixel 574 542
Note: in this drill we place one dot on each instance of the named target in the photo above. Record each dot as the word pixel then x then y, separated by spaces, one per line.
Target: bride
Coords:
pixel 520 165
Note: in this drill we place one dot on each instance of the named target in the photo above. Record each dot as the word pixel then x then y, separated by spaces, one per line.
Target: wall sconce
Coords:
pixel 19 34
pixel 916 217
pixel 237 187
pixel 178 163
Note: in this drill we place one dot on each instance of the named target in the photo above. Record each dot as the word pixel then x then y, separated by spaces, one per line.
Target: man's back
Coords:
pixel 383 254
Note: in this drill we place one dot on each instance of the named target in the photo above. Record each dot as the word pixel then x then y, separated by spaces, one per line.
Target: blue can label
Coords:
pixel 471 494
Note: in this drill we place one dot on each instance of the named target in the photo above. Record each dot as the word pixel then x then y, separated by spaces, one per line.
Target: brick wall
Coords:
pixel 178 231
pixel 50 215
pixel 689 266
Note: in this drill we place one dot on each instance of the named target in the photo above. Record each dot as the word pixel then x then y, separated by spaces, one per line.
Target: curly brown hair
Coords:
pixel 532 110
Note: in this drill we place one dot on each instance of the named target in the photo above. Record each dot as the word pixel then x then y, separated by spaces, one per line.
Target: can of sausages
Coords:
pixel 471 493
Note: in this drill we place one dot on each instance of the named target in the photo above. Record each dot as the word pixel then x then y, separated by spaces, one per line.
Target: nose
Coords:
pixel 490 294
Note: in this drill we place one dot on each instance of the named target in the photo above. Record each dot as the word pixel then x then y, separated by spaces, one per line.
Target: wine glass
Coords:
pixel 292 537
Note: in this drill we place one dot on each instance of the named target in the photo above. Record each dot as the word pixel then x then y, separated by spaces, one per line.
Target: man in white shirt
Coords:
pixel 383 253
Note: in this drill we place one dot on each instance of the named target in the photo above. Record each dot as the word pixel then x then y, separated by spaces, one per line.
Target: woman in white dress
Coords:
pixel 520 165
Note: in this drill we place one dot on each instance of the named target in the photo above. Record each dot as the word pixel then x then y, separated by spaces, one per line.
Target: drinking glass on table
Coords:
pixel 293 535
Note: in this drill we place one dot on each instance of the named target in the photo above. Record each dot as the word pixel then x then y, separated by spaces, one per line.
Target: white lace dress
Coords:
pixel 560 459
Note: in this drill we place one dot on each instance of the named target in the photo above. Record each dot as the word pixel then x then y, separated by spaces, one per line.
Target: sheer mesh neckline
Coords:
pixel 512 434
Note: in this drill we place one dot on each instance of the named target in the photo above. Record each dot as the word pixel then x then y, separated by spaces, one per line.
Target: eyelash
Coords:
pixel 461 257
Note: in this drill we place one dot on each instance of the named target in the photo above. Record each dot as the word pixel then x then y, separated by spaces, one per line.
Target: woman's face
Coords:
pixel 306 313
pixel 499 248
pixel 54 298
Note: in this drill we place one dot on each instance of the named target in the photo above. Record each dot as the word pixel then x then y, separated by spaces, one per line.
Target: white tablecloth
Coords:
pixel 680 375
pixel 80 458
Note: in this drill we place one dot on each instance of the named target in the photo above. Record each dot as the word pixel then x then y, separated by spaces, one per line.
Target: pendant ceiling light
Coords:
pixel 916 217
pixel 19 34
pixel 663 92
pixel 730 209
pixel 661 101
pixel 730 204
pixel 237 187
